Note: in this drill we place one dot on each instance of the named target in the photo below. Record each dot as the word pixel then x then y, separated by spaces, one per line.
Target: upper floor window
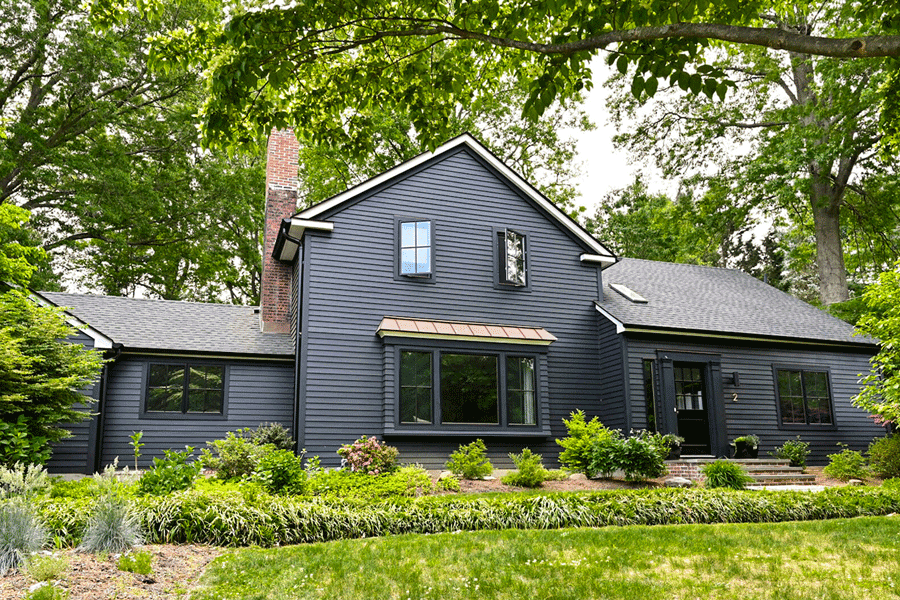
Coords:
pixel 512 255
pixel 804 397
pixel 415 248
pixel 186 389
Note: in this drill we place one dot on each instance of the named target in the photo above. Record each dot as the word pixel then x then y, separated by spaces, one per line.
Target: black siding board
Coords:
pixel 611 375
pixel 352 287
pixel 755 410
pixel 258 392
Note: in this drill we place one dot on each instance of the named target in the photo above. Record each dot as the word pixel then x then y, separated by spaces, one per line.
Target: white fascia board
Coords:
pixel 603 260
pixel 101 342
pixel 298 227
pixel 620 326
pixel 473 144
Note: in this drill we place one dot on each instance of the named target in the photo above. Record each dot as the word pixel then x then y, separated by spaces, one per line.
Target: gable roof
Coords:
pixel 175 326
pixel 713 301
pixel 304 219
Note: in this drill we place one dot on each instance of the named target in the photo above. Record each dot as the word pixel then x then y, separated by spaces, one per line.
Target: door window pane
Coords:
pixel 469 389
pixel 689 388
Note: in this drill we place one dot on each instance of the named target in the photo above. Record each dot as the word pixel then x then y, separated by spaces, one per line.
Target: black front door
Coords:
pixel 691 406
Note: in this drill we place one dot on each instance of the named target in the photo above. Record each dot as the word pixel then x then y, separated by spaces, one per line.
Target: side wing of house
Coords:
pixel 446 306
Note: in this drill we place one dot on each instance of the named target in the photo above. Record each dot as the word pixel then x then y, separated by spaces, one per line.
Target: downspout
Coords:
pixel 297 335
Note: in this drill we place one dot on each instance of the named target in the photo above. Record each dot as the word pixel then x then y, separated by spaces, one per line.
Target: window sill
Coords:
pixel 170 416
pixel 468 433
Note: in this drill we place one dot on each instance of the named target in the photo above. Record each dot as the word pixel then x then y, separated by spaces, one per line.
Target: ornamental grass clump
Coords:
pixel 111 526
pixel 21 533
pixel 367 455
pixel 725 474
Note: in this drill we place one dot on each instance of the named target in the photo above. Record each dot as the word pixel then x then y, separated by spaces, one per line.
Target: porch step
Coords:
pixel 764 471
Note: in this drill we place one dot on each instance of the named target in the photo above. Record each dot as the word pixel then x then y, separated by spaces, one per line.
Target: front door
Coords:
pixel 691 406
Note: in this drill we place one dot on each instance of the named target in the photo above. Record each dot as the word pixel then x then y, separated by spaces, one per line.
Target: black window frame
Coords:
pixel 183 415
pixel 807 426
pixel 398 239
pixel 500 257
pixel 502 355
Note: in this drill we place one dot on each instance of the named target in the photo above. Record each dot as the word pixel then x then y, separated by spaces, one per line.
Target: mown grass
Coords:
pixel 838 559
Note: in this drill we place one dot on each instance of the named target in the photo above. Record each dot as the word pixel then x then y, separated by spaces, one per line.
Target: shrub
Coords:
pixel 81 488
pixel 367 455
pixel 21 533
pixel 530 471
pixel 470 461
pixel 19 445
pixel 846 464
pixel 22 480
pixel 891 484
pixel 641 458
pixel 136 562
pixel 604 456
pixel 578 445
pixel 725 474
pixel 281 472
pixel 884 456
pixel 47 592
pixel 111 526
pixel 171 473
pixel 795 451
pixel 274 434
pixel 235 457
pixel 448 483
pixel 42 567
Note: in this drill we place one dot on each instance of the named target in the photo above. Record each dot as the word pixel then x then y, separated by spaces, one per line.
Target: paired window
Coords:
pixel 186 389
pixel 455 388
pixel 804 397
pixel 415 248
pixel 512 253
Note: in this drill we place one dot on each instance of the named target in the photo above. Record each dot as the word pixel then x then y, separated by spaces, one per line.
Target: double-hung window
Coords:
pixel 185 388
pixel 415 248
pixel 512 253
pixel 804 397
pixel 458 388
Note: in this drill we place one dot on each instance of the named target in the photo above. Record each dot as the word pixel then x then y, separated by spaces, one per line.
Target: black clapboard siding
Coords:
pixel 258 392
pixel 352 286
pixel 755 410
pixel 70 455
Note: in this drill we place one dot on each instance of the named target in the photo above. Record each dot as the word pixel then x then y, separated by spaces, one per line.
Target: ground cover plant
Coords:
pixel 856 558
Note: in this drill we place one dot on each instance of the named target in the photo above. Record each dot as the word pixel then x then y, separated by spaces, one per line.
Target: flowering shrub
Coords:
pixel 367 455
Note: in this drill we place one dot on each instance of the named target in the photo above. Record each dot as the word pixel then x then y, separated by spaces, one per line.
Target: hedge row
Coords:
pixel 235 520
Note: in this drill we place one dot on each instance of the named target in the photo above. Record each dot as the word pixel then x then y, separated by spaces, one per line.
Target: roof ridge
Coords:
pixel 156 300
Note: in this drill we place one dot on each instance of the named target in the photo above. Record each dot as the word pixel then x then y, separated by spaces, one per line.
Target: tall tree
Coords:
pixel 808 127
pixel 106 156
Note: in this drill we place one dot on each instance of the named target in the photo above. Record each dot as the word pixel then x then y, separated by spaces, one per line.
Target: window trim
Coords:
pixel 185 416
pixel 398 276
pixel 500 255
pixel 804 426
pixel 437 426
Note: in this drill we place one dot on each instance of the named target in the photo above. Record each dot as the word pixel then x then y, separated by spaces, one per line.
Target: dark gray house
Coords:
pixel 445 300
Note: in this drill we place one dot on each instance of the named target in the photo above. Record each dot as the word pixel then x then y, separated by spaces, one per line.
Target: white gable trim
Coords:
pixel 471 143
pixel 620 326
pixel 298 227
pixel 101 341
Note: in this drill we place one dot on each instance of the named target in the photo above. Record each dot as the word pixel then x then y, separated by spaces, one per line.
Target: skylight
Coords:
pixel 628 293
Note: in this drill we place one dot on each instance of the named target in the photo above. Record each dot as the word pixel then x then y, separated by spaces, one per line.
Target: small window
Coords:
pixel 513 266
pixel 415 248
pixel 650 395
pixel 804 397
pixel 186 389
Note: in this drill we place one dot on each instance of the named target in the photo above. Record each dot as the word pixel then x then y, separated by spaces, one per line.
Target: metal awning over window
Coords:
pixel 457 330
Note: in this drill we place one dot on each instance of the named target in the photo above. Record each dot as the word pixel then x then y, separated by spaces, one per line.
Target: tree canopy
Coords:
pixel 325 66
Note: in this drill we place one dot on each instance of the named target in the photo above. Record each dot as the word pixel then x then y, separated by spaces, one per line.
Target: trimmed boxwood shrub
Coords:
pixel 232 519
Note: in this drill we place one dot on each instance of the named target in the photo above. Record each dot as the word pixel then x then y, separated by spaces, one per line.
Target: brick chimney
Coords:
pixel 281 202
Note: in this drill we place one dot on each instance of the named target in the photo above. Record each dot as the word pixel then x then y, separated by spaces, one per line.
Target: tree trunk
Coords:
pixel 829 250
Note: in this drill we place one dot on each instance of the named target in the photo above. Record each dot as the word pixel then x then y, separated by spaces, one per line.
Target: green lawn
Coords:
pixel 849 558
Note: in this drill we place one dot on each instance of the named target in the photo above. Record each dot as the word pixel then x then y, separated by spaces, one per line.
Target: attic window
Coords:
pixel 512 258
pixel 629 293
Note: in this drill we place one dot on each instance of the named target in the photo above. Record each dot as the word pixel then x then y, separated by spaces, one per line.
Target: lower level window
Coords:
pixel 186 388
pixel 469 389
pixel 804 397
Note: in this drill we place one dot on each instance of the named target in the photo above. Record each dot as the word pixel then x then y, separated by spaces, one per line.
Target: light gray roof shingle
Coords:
pixel 169 325
pixel 714 300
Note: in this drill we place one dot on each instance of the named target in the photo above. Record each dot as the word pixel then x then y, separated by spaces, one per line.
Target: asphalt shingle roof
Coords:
pixel 710 299
pixel 175 326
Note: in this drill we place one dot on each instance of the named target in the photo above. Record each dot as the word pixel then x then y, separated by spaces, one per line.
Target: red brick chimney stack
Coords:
pixel 281 202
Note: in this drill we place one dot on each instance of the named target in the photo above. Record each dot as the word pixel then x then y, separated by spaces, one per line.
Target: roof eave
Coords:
pixel 290 235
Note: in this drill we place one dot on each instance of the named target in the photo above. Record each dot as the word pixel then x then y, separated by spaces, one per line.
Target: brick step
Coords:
pixel 797 479
pixel 771 469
